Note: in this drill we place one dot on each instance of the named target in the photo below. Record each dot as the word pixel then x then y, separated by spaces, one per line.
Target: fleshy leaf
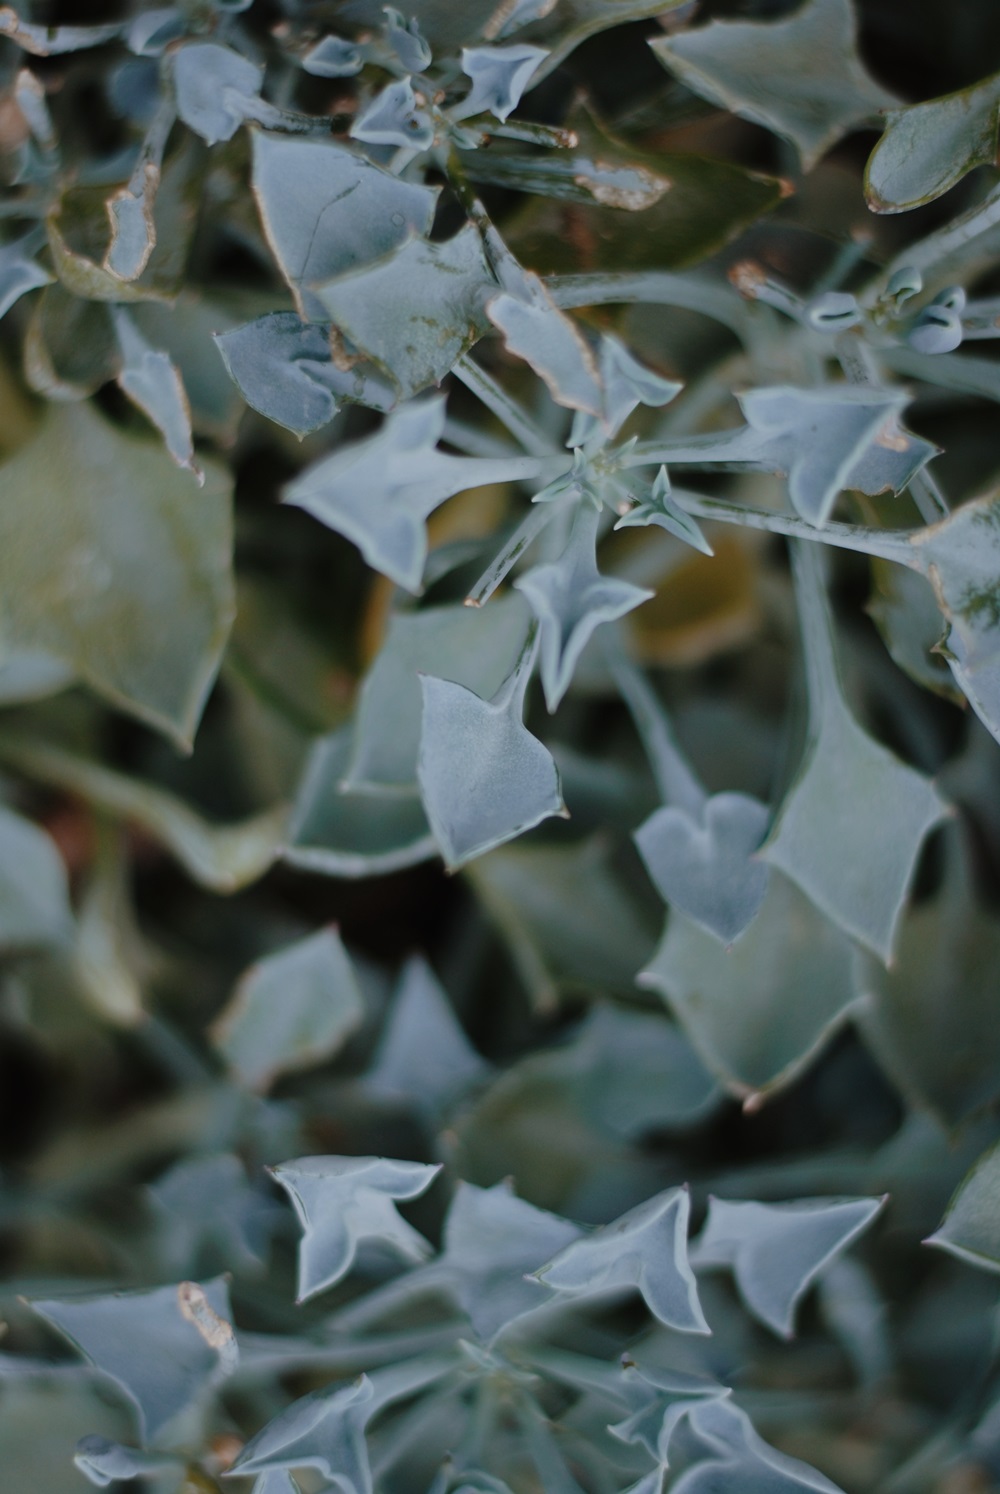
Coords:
pixel 484 778
pixel 379 491
pixel 492 1239
pixel 165 1348
pixel 740 1459
pixel 213 85
pixel 19 272
pixel 799 76
pixel 499 77
pixel 326 1430
pixel 659 508
pixel 475 647
pixel 349 833
pixel 628 383
pixel 344 1201
pixel 207 1201
pixel 959 556
pixel 132 586
pixel 326 210
pixel 34 893
pixel 424 1057
pixel 291 1010
pixel 970 1229
pixel 395 118
pixel 416 312
pixel 744 1008
pixel 406 40
pixel 104 1462
pixel 282 367
pixel 703 866
pixel 777 1251
pixel 927 148
pixel 645 1249
pixel 333 57
pixel 851 827
pixel 570 598
pixel 153 383
pixel 536 330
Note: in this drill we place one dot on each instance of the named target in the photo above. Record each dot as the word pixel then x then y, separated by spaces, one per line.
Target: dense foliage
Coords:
pixel 531 894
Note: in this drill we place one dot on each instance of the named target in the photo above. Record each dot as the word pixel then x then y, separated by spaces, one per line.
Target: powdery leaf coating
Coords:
pixel 34 891
pixel 799 77
pixel 850 828
pixel 417 311
pixel 777 1251
pixel 743 1008
pixel 212 85
pixel 291 1010
pixel 343 1201
pixel 19 272
pixel 131 586
pixel 207 1199
pixel 423 1057
pixel 970 1229
pixel 483 777
pixel 740 1459
pixel 927 148
pixel 395 118
pixel 282 367
pixel 165 1348
pixel 570 598
pixel 645 1249
pixel 326 210
pixel 536 330
pixel 704 867
pixel 378 492
pixel 499 76
pixel 658 507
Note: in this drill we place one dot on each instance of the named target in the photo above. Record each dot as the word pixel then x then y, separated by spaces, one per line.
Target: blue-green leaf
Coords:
pixel 406 40
pixel 333 57
pixel 165 1348
pixel 499 76
pixel 423 1058
pixel 484 778
pixel 970 1229
pixel 326 210
pixel 570 598
pixel 207 1201
pixel 282 367
pixel 379 491
pixel 290 1011
pixel 52 41
pixel 34 892
pixel 344 1202
pixel 152 382
pixel 851 827
pixel 658 507
pixel 646 1249
pixel 742 1007
pixel 213 86
pixel 739 1459
pixel 417 311
pixel 104 1462
pixel 927 148
pixel 395 118
pixel 777 1251
pixel 19 272
pixel 799 76
pixel 701 863
pixel 536 330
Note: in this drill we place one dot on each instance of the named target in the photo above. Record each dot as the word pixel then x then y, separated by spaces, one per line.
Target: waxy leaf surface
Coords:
pixel 423 1057
pixel 928 148
pixel 970 1229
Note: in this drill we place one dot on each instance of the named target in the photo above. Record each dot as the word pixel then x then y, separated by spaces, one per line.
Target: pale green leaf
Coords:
pixel 927 148
pixel 130 586
pixel 34 894
pixel 291 1010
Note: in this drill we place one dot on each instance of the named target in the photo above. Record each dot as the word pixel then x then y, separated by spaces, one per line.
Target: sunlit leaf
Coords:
pixel 417 311
pixel 326 210
pixel 378 492
pixel 646 1249
pixel 291 1010
pixel 798 76
pixel 970 1229
pixel 850 829
pixel 34 895
pixel 484 778
pixel 343 1202
pixel 131 586
pixel 759 1012
pixel 570 598
pixel 165 1348
pixel 423 1058
pixel 474 647
pixel 776 1251
pixel 928 147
